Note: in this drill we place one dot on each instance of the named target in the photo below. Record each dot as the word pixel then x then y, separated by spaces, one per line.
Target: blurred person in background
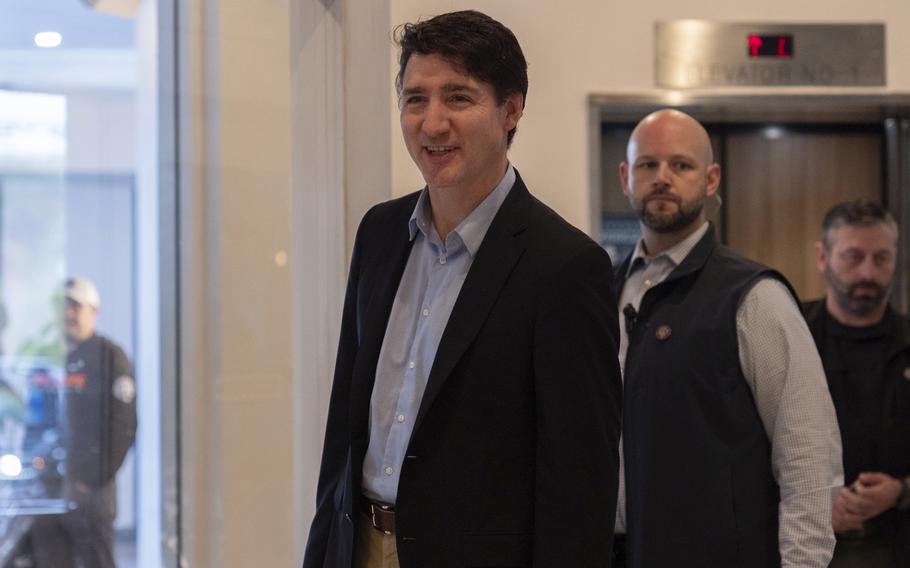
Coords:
pixel 100 427
pixel 865 349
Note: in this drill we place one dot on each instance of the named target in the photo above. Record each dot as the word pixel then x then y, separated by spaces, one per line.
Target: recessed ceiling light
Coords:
pixel 48 39
pixel 773 132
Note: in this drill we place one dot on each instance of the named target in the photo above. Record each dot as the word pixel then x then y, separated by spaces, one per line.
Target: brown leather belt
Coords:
pixel 382 517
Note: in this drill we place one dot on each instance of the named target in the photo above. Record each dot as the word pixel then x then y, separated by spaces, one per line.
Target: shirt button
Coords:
pixel 647 282
pixel 411 365
pixel 426 312
pixel 442 260
pixel 400 417
pixel 389 470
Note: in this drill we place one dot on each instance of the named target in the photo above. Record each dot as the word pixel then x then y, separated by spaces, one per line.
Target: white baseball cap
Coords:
pixel 83 291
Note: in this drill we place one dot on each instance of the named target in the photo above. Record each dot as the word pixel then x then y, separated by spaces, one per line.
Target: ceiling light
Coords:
pixel 773 132
pixel 48 39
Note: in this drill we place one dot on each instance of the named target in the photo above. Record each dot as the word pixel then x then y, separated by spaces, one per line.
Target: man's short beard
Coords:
pixel 845 298
pixel 686 214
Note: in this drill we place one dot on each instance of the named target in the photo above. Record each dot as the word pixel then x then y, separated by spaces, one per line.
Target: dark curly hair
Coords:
pixel 861 212
pixel 472 41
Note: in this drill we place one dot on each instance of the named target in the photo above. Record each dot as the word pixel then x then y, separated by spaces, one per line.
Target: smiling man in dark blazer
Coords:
pixel 475 412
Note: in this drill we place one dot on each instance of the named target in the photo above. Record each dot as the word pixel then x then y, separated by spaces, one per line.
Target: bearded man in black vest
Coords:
pixel 730 442
pixel 865 349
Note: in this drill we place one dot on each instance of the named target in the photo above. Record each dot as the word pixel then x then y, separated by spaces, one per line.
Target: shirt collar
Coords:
pixel 472 228
pixel 675 254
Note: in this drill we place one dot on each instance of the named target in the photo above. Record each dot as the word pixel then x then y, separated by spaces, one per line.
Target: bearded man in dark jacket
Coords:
pixel 865 349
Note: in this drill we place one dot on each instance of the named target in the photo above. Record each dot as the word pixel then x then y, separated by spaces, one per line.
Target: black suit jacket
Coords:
pixel 513 457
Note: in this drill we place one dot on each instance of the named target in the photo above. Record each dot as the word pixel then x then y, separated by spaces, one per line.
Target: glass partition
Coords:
pixel 71 379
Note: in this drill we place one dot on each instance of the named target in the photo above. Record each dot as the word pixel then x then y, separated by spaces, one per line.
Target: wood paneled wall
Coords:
pixel 778 188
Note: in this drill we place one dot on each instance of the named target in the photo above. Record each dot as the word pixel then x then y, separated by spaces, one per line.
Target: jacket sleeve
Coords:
pixel 333 469
pixel 578 401
pixel 122 410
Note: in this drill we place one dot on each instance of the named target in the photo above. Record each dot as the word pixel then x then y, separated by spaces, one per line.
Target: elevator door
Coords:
pixel 780 181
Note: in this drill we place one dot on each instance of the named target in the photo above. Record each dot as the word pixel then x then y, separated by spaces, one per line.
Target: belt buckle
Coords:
pixel 373 508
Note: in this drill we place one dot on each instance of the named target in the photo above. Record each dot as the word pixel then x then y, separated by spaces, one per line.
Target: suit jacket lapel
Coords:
pixel 381 276
pixel 384 275
pixel 501 248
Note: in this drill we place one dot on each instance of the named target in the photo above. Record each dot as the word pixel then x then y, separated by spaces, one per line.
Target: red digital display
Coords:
pixel 770 45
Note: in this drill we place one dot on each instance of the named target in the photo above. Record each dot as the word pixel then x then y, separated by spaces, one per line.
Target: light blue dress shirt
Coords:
pixel 426 294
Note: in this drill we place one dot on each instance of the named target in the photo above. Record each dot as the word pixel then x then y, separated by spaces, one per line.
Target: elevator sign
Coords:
pixel 700 53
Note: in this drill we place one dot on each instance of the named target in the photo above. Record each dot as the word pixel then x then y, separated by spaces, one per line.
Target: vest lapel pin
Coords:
pixel 663 332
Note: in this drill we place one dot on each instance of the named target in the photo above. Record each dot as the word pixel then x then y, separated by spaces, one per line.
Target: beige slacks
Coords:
pixel 372 548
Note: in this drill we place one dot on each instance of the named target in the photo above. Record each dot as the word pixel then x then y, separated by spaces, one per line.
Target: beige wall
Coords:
pixel 582 47
pixel 269 177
